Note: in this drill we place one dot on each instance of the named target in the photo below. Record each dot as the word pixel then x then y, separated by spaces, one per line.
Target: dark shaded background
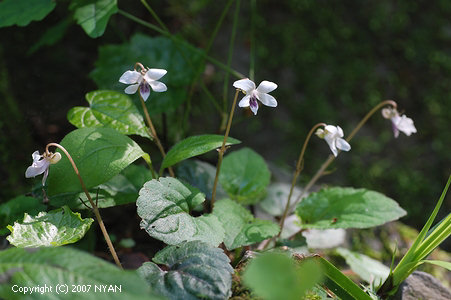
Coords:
pixel 333 61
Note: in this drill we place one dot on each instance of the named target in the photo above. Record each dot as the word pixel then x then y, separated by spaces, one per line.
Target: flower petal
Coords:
pixel 37 168
pixel 131 89
pixel 340 131
pixel 246 85
pixel 36 156
pixel 245 101
pixel 267 100
pixel 144 90
pixel 154 74
pixel 44 178
pixel 405 125
pixel 130 77
pixel 342 144
pixel 330 129
pixel 253 104
pixel 266 86
pixel 331 142
pixel 158 86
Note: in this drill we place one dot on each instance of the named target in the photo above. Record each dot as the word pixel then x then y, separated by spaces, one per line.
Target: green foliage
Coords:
pixel 99 153
pixel 347 208
pixel 370 270
pixel 158 52
pixel 121 189
pixel 195 271
pixel 276 198
pixel 64 265
pixel 15 208
pixel 275 276
pixel 54 228
pixel 109 109
pixel 164 207
pixel 194 146
pixel 22 12
pixel 51 36
pixel 93 15
pixel 244 176
pixel 240 226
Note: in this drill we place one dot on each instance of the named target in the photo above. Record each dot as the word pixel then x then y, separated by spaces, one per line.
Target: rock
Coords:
pixel 421 285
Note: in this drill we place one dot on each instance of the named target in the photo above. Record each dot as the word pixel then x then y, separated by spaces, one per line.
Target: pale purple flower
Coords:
pixel 334 138
pixel 253 94
pixel 399 123
pixel 143 81
pixel 41 164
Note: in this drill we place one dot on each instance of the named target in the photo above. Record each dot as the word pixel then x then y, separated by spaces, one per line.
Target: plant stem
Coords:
pixel 299 167
pixel 153 131
pixel 93 205
pixel 331 158
pixel 252 56
pixel 223 149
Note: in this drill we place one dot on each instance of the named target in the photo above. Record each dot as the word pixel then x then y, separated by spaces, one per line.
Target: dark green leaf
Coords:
pixel 52 36
pixel 54 228
pixel 93 15
pixel 164 207
pixel 240 226
pixel 244 176
pixel 99 153
pixel 14 210
pixel 196 271
pixel 275 276
pixel 64 265
pixel 347 208
pixel 157 52
pixel 22 12
pixel 109 109
pixel 121 189
pixel 194 146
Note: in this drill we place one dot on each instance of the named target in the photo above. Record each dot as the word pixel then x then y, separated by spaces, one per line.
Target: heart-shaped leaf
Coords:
pixel 85 276
pixel 195 271
pixel 54 228
pixel 240 226
pixel 179 60
pixel 22 12
pixel 15 208
pixel 109 109
pixel 347 208
pixel 194 146
pixel 93 15
pixel 276 198
pixel 99 153
pixel 164 207
pixel 244 176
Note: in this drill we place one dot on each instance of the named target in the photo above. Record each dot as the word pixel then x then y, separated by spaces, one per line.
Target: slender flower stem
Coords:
pixel 223 149
pixel 154 132
pixel 252 56
pixel 93 205
pixel 298 170
pixel 331 158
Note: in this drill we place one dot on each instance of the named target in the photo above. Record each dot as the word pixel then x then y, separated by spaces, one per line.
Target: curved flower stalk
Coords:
pixel 334 138
pixel 399 123
pixel 252 94
pixel 41 164
pixel 144 81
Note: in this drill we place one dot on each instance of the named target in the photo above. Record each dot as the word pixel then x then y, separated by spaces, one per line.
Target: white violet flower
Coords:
pixel 144 80
pixel 333 136
pixel 253 94
pixel 41 164
pixel 399 123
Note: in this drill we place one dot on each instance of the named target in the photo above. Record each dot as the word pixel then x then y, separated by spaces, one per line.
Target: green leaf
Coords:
pixel 443 264
pixel 244 176
pixel 15 208
pixel 370 270
pixel 275 276
pixel 99 153
pixel 22 12
pixel 201 175
pixel 347 208
pixel 157 52
pixel 276 198
pixel 64 265
pixel 93 15
pixel 109 109
pixel 240 226
pixel 51 36
pixel 54 228
pixel 194 146
pixel 195 270
pixel 164 207
pixel 121 189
